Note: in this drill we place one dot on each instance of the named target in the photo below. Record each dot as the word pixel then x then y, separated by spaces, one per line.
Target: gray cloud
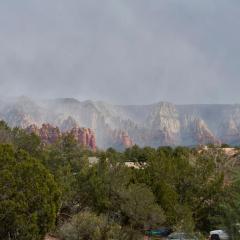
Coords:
pixel 122 51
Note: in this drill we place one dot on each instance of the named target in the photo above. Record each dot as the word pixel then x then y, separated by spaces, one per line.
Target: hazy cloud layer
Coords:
pixel 122 51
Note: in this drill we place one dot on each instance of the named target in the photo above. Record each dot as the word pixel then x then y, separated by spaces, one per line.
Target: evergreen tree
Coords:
pixel 29 198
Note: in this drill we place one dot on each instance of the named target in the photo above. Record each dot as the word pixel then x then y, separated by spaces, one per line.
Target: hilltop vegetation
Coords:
pixel 55 189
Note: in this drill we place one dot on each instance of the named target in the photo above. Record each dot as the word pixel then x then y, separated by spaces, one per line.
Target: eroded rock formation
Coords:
pixel 84 136
pixel 50 134
pixel 120 127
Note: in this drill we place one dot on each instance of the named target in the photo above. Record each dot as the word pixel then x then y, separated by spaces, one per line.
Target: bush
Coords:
pixel 89 226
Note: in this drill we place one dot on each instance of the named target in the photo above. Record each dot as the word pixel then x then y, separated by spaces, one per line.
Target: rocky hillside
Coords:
pixel 122 126
pixel 50 134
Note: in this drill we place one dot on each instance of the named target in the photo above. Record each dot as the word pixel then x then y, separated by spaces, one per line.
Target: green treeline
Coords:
pixel 55 189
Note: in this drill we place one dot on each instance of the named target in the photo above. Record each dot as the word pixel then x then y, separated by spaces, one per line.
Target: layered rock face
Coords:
pixel 121 139
pixel 195 132
pixel 50 134
pixel 84 136
pixel 164 119
pixel 120 127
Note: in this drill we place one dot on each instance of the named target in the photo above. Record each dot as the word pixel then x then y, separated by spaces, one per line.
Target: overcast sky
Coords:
pixel 121 51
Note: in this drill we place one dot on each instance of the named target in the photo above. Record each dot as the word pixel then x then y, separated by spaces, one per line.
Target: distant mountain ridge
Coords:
pixel 121 126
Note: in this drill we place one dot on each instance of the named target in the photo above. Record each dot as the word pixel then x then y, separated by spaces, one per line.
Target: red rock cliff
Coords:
pixel 50 134
pixel 84 136
pixel 122 138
